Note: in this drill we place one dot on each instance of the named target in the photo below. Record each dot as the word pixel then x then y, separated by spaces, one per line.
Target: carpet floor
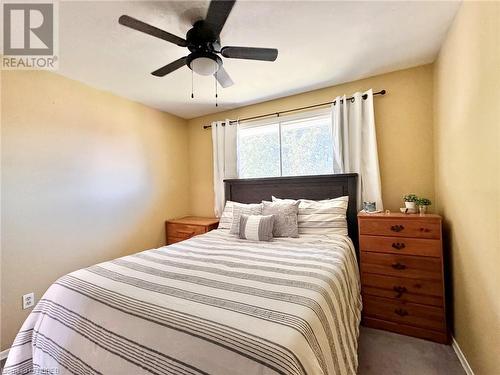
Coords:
pixel 385 353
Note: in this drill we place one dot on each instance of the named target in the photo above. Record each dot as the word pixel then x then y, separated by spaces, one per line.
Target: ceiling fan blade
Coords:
pixel 169 68
pixel 250 53
pixel 151 30
pixel 217 14
pixel 223 78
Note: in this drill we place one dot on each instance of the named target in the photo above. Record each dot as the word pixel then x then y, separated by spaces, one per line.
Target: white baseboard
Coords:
pixel 461 357
pixel 4 354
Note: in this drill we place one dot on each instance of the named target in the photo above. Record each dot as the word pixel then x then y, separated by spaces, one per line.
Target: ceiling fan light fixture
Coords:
pixel 204 66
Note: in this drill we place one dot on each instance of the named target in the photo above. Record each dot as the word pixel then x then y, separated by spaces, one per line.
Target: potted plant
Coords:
pixel 410 201
pixel 422 205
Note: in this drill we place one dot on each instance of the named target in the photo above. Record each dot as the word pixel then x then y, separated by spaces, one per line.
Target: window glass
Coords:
pixel 259 151
pixel 306 147
pixel 289 146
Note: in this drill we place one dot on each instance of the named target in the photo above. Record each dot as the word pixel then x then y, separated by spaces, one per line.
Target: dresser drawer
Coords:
pixel 416 267
pixel 184 231
pixel 407 313
pixel 401 228
pixel 398 245
pixel 426 292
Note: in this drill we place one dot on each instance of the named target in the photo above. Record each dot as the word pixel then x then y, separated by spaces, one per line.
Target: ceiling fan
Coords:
pixel 203 42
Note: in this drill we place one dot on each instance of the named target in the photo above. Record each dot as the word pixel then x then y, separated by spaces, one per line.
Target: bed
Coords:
pixel 213 304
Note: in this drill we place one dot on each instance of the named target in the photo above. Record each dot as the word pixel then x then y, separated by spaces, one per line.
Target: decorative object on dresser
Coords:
pixel 410 203
pixel 370 206
pixel 181 229
pixel 402 274
pixel 422 205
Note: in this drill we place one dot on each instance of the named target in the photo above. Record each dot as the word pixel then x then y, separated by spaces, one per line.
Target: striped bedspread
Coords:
pixel 213 304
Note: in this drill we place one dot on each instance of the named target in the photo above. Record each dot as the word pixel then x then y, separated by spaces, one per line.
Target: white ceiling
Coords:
pixel 320 44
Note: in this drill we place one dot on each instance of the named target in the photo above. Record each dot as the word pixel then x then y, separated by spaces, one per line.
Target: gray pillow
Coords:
pixel 247 209
pixel 285 224
pixel 256 227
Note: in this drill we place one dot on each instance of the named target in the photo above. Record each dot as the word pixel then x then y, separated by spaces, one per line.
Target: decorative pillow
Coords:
pixel 285 222
pixel 256 227
pixel 321 217
pixel 246 209
pixel 226 219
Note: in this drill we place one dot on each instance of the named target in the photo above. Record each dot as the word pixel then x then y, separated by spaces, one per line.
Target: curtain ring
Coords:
pixel 352 99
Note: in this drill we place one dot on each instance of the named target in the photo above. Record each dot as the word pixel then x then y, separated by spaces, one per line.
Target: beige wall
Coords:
pixel 404 129
pixel 86 176
pixel 467 163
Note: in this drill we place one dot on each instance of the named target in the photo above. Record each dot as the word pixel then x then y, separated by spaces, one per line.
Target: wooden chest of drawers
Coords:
pixel 181 229
pixel 402 274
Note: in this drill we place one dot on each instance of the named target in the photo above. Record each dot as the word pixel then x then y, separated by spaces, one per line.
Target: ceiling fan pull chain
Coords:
pixel 216 96
pixel 192 94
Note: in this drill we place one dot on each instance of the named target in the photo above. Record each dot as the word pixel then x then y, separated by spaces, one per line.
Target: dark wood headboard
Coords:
pixel 255 190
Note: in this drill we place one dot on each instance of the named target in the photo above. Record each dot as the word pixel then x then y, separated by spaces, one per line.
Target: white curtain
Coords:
pixel 224 141
pixel 355 144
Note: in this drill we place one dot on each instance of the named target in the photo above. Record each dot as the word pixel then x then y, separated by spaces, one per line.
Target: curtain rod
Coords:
pixel 231 122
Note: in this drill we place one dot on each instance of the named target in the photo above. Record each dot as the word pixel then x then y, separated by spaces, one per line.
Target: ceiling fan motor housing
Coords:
pixel 201 37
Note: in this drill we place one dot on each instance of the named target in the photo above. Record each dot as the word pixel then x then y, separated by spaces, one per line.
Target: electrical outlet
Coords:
pixel 28 300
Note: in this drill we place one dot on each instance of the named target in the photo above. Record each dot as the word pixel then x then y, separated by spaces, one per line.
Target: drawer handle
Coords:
pixel 401 312
pixel 399 290
pixel 398 266
pixel 398 245
pixel 397 228
pixel 426 230
pixel 187 233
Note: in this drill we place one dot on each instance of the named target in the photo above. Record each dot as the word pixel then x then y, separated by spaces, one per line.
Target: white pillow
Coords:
pixel 322 217
pixel 226 219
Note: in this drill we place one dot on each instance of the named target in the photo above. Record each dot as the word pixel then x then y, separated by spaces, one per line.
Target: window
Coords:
pixel 286 146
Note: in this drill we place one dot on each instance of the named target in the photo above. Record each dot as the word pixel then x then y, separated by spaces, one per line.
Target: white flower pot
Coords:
pixel 411 205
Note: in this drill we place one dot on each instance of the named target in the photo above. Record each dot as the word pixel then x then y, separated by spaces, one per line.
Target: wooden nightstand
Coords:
pixel 402 274
pixel 181 229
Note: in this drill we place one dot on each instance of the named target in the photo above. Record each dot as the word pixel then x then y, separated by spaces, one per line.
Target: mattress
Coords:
pixel 214 304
